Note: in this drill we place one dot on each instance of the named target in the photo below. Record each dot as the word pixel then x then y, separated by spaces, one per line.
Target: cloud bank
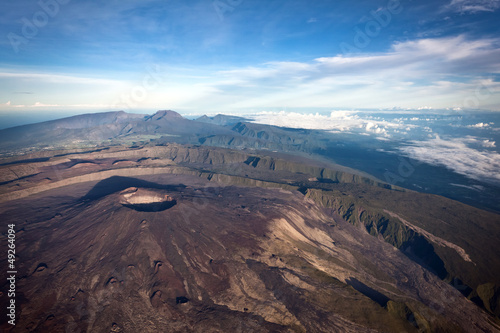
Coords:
pixel 457 155
pixel 336 121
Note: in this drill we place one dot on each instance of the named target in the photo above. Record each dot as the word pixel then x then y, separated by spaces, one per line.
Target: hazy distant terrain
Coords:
pixel 130 223
pixel 453 155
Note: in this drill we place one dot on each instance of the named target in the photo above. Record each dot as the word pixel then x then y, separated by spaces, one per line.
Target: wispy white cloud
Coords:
pixel 39 105
pixel 55 78
pixel 477 188
pixel 475 142
pixel 57 90
pixel 473 6
pixel 409 60
pixel 451 72
pixel 489 144
pixel 457 155
pixel 440 72
pixel 42 105
pixel 479 125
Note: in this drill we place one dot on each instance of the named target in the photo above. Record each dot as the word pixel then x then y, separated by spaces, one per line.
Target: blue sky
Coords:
pixel 240 56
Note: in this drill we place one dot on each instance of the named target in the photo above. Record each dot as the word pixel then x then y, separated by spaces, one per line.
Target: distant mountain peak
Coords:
pixel 221 119
pixel 165 114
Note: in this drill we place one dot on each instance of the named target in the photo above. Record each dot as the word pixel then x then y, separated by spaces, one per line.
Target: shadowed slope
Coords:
pixel 222 258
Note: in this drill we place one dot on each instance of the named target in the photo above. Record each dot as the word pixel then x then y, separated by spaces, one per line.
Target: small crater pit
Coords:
pixel 115 328
pixel 146 200
pixel 40 268
pixel 112 280
pixel 181 300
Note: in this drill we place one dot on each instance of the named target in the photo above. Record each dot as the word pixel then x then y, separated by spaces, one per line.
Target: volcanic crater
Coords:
pixel 146 200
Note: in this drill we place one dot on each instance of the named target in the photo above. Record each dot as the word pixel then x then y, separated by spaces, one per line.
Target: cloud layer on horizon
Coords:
pixel 336 121
pixel 456 155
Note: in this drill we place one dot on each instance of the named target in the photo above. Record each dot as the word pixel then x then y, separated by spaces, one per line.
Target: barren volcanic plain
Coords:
pixel 126 223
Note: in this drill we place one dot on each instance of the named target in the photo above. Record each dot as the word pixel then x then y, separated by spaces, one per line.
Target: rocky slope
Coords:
pixel 220 240
pixel 221 259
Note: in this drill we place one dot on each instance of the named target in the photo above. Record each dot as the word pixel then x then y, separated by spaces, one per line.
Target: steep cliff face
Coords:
pixel 383 225
pixel 63 168
pixel 320 173
pixel 448 256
